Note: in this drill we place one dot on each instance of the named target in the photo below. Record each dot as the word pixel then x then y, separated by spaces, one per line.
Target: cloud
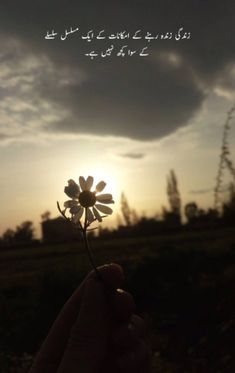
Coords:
pixel 133 155
pixel 24 112
pixel 201 191
pixel 50 86
pixel 3 137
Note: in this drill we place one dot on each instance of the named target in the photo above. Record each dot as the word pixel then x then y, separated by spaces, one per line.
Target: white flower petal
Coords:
pixel 105 198
pixel 89 215
pixel 82 183
pixel 72 190
pixel 100 186
pixel 89 182
pixel 107 202
pixel 71 182
pixel 104 209
pixel 70 203
pixel 97 214
pixel 78 216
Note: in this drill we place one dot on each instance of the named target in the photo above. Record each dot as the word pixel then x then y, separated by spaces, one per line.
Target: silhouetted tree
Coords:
pixel 225 161
pixel 231 199
pixel 173 217
pixel 201 213
pixel 46 216
pixel 129 215
pixel 8 237
pixel 126 211
pixel 191 211
pixel 119 220
pixel 229 207
pixel 135 217
pixel 24 232
pixel 173 193
pixel 201 218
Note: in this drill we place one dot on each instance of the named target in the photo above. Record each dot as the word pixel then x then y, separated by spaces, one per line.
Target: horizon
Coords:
pixel 126 119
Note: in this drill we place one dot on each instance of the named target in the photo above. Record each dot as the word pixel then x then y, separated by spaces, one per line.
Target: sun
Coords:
pixel 105 173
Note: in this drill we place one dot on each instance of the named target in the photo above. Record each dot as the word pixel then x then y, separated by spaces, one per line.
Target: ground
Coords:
pixel 183 284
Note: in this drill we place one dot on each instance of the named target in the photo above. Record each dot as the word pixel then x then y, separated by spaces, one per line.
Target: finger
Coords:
pixel 123 305
pixel 53 348
pixel 126 335
pixel 138 325
pixel 112 274
pixel 88 343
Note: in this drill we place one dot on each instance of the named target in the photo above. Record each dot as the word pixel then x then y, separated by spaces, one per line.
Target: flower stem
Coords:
pixel 87 246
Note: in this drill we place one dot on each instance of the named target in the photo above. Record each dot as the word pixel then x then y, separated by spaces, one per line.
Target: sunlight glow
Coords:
pixel 105 173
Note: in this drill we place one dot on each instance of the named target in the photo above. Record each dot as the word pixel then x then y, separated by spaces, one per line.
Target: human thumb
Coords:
pixel 88 343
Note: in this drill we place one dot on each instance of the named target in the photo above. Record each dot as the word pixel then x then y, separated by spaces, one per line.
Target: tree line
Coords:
pixel 132 223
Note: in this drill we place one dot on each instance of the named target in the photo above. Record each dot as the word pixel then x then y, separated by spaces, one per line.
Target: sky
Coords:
pixel 128 114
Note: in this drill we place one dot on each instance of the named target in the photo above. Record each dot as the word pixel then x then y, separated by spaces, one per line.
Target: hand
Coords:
pixel 96 331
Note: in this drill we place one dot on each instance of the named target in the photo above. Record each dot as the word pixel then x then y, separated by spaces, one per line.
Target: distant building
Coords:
pixel 58 230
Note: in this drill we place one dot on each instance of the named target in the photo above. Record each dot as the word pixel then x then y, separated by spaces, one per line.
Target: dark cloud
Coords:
pixel 141 98
pixel 133 155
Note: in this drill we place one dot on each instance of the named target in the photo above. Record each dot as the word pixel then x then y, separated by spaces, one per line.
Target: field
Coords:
pixel 183 285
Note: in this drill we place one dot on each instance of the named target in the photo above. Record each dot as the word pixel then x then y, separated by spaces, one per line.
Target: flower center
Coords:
pixel 87 198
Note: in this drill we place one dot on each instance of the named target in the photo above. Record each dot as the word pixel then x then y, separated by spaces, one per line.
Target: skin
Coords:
pixel 96 331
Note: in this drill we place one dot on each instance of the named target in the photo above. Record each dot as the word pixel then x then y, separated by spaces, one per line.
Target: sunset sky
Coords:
pixel 127 120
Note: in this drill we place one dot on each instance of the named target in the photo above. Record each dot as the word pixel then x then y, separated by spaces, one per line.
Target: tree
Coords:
pixel 191 211
pixel 173 194
pixel 229 206
pixel 231 199
pixel 8 237
pixel 126 211
pixel 46 216
pixel 225 160
pixel 24 233
pixel 129 215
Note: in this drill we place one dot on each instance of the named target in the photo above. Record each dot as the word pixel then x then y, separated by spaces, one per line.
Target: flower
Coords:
pixel 83 199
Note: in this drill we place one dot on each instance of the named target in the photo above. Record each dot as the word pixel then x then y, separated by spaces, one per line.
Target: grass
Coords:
pixel 183 285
